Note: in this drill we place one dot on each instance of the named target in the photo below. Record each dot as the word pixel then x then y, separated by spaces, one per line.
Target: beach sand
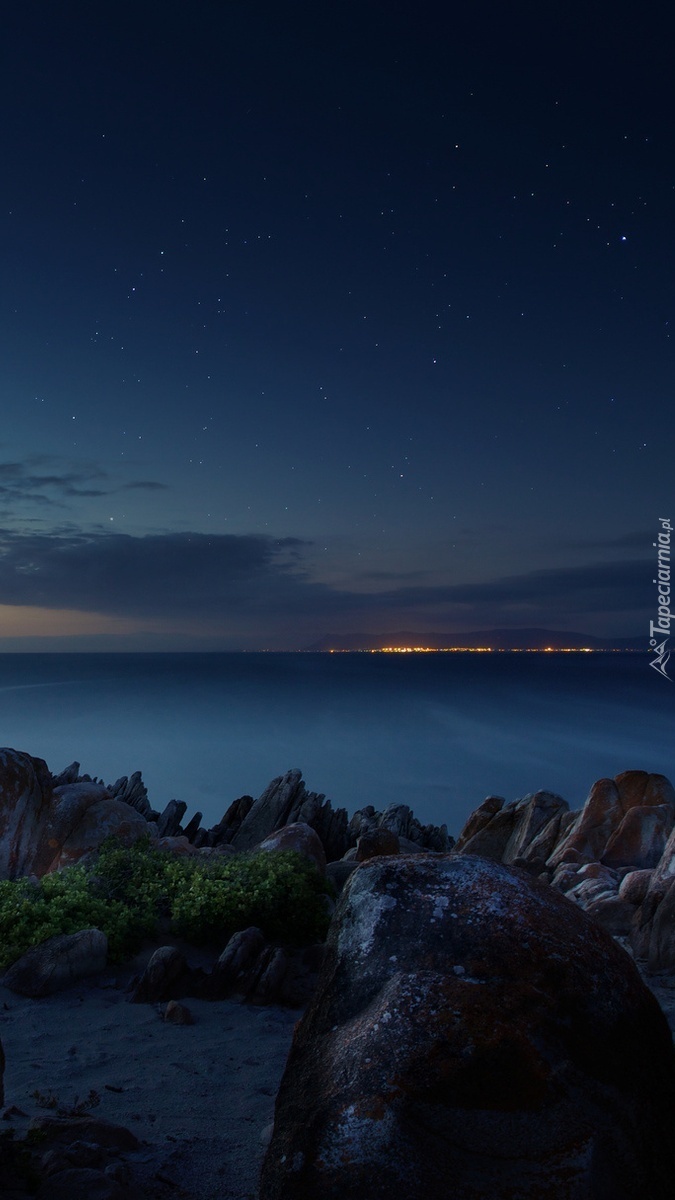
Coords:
pixel 197 1096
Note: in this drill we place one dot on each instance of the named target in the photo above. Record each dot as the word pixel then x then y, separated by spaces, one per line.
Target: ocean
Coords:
pixel 439 732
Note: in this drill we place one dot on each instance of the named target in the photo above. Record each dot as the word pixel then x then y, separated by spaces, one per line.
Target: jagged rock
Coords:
pixel 286 801
pixel 474 1031
pixel 178 1014
pixel 58 962
pixel 70 774
pixel 233 819
pixel 398 819
pixel 378 841
pixel 132 791
pixel 169 821
pixel 299 837
pixel 192 827
pixel 165 967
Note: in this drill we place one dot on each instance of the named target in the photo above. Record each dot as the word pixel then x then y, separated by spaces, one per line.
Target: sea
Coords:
pixel 436 731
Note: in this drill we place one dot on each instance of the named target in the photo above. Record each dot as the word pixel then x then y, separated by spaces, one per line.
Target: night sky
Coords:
pixel 330 318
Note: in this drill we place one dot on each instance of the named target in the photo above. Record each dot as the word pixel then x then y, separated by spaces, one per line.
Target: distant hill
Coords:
pixel 498 639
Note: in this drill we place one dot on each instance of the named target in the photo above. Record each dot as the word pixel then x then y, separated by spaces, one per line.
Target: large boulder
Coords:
pixel 299 837
pixel 474 1034
pixel 44 826
pixel 57 963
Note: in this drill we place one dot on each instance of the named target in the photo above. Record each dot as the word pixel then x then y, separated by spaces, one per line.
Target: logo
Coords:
pixel 661 625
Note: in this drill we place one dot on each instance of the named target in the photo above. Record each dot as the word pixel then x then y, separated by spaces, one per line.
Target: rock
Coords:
pixel 477 821
pixel 169 821
pixel 236 968
pixel 80 1183
pixel 493 836
pixel 253 970
pixel 634 886
pixel 536 828
pixel 63 1131
pixel 101 818
pixel 614 914
pixel 598 824
pixel 164 968
pixel 286 801
pixel 132 791
pixel 45 826
pixel 57 963
pixel 178 1014
pixel 25 793
pixel 192 827
pixel 399 819
pixel 2 1075
pixel 299 837
pixel 379 841
pixel 475 1034
pixel 233 819
pixel 176 845
pixel 641 838
pixel 339 872
pixel 659 935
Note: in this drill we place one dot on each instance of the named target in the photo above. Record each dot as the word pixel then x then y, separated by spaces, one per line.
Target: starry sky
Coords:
pixel 330 318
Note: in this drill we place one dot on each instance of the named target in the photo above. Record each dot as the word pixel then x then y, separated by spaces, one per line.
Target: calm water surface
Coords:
pixel 437 731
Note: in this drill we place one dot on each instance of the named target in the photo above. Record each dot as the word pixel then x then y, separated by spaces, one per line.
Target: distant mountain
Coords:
pixel 498 639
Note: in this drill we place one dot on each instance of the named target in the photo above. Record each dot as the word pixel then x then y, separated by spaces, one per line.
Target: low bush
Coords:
pixel 128 890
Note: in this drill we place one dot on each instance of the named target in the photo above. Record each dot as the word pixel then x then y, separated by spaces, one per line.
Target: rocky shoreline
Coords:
pixel 459 905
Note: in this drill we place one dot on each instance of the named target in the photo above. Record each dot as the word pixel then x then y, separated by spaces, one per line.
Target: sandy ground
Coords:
pixel 198 1096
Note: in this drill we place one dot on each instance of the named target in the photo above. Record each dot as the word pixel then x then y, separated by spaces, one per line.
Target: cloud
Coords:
pixel 24 482
pixel 173 574
pixel 264 583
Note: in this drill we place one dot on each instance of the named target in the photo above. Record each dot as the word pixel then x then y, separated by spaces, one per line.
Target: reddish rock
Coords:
pixel 479 818
pixel 178 1014
pixel 378 841
pixel 641 838
pixel 536 828
pixel 640 788
pixel 601 815
pixel 299 837
pixel 473 1033
pixel 634 886
pixel 43 827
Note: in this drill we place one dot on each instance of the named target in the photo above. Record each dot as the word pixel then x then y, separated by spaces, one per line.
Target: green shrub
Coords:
pixel 128 889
